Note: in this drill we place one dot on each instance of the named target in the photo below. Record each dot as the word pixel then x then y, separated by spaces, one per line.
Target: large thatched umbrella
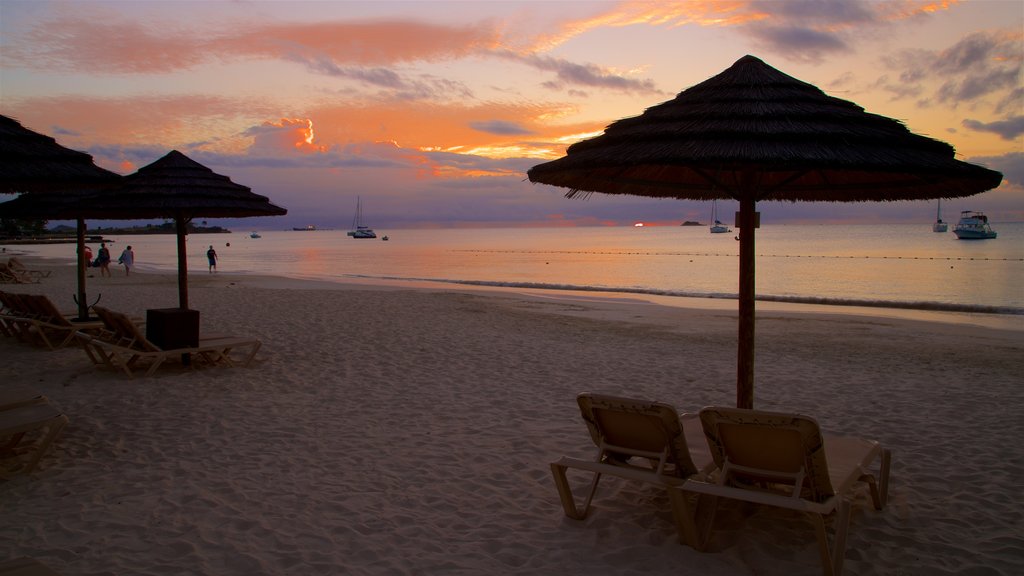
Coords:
pixel 178 187
pixel 54 175
pixel 752 133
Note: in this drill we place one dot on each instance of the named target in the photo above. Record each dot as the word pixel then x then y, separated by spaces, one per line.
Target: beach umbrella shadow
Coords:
pixel 50 179
pixel 753 133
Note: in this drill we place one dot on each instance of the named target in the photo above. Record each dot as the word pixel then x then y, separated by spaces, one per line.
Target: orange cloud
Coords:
pixel 288 135
pixel 122 46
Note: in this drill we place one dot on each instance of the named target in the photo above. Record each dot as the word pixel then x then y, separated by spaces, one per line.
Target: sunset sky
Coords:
pixel 433 112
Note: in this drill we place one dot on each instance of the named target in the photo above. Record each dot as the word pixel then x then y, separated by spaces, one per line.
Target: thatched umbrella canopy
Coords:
pixel 35 163
pixel 753 133
pixel 178 187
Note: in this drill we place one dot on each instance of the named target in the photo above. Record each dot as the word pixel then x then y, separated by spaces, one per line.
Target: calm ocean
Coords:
pixel 904 266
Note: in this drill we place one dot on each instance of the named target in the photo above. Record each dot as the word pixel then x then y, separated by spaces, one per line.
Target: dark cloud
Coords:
pixel 798 43
pixel 499 127
pixel 976 66
pixel 823 11
pixel 974 86
pixel 572 74
pixel 1007 129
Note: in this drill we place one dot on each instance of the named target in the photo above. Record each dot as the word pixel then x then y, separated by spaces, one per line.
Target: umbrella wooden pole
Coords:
pixel 181 223
pixel 83 306
pixel 745 356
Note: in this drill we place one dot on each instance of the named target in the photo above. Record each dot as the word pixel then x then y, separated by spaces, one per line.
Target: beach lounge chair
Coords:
pixel 9 275
pixel 122 345
pixel 46 325
pixel 16 395
pixel 783 460
pixel 15 264
pixel 642 441
pixel 41 422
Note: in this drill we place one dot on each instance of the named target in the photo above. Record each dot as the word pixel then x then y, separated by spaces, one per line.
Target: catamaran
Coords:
pixel 358 230
pixel 939 225
pixel 716 226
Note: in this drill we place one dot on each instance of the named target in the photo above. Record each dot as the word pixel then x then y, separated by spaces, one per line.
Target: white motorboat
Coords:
pixel 973 226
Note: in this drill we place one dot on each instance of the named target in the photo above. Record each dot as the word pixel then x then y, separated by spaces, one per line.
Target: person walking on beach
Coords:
pixel 211 255
pixel 103 260
pixel 128 259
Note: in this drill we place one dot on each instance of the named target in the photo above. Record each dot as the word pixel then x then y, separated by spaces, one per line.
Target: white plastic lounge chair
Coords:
pixel 123 346
pixel 17 424
pixel 630 433
pixel 783 460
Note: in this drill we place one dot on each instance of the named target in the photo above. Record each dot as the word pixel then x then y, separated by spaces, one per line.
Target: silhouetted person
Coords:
pixel 128 259
pixel 211 255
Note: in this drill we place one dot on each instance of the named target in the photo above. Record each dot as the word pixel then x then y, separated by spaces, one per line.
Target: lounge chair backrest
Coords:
pixel 43 309
pixel 16 304
pixel 771 447
pixel 639 426
pixel 125 330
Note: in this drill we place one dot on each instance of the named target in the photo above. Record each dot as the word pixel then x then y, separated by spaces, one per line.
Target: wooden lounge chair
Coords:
pixel 9 275
pixel 48 326
pixel 783 460
pixel 14 395
pixel 122 345
pixel 41 422
pixel 18 266
pixel 642 441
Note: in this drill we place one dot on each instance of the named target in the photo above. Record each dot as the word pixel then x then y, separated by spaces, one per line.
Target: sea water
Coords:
pixel 905 266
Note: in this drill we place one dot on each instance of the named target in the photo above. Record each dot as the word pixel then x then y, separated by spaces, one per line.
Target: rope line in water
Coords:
pixel 720 254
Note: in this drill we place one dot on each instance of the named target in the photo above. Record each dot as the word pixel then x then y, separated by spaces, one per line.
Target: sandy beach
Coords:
pixel 408 430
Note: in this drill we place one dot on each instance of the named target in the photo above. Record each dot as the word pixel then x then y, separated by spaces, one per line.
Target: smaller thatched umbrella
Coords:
pixel 34 163
pixel 753 133
pixel 178 187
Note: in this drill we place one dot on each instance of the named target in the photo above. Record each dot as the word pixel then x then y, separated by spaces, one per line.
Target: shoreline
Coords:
pixel 993 319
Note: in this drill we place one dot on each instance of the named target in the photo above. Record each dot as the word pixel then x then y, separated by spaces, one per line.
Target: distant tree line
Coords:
pixel 24 229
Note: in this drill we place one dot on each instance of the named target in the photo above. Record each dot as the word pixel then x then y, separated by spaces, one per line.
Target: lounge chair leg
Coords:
pixel 55 427
pixel 565 492
pixel 709 503
pixel 832 561
pixel 684 518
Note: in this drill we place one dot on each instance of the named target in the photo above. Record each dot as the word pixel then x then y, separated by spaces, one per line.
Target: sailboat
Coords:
pixel 358 230
pixel 716 226
pixel 939 225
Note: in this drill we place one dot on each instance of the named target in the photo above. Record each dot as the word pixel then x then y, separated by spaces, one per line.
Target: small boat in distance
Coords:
pixel 358 230
pixel 255 235
pixel 973 226
pixel 716 226
pixel 308 228
pixel 939 225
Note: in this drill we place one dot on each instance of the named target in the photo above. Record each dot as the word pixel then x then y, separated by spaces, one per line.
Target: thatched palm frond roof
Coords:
pixel 755 130
pixel 31 162
pixel 176 186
